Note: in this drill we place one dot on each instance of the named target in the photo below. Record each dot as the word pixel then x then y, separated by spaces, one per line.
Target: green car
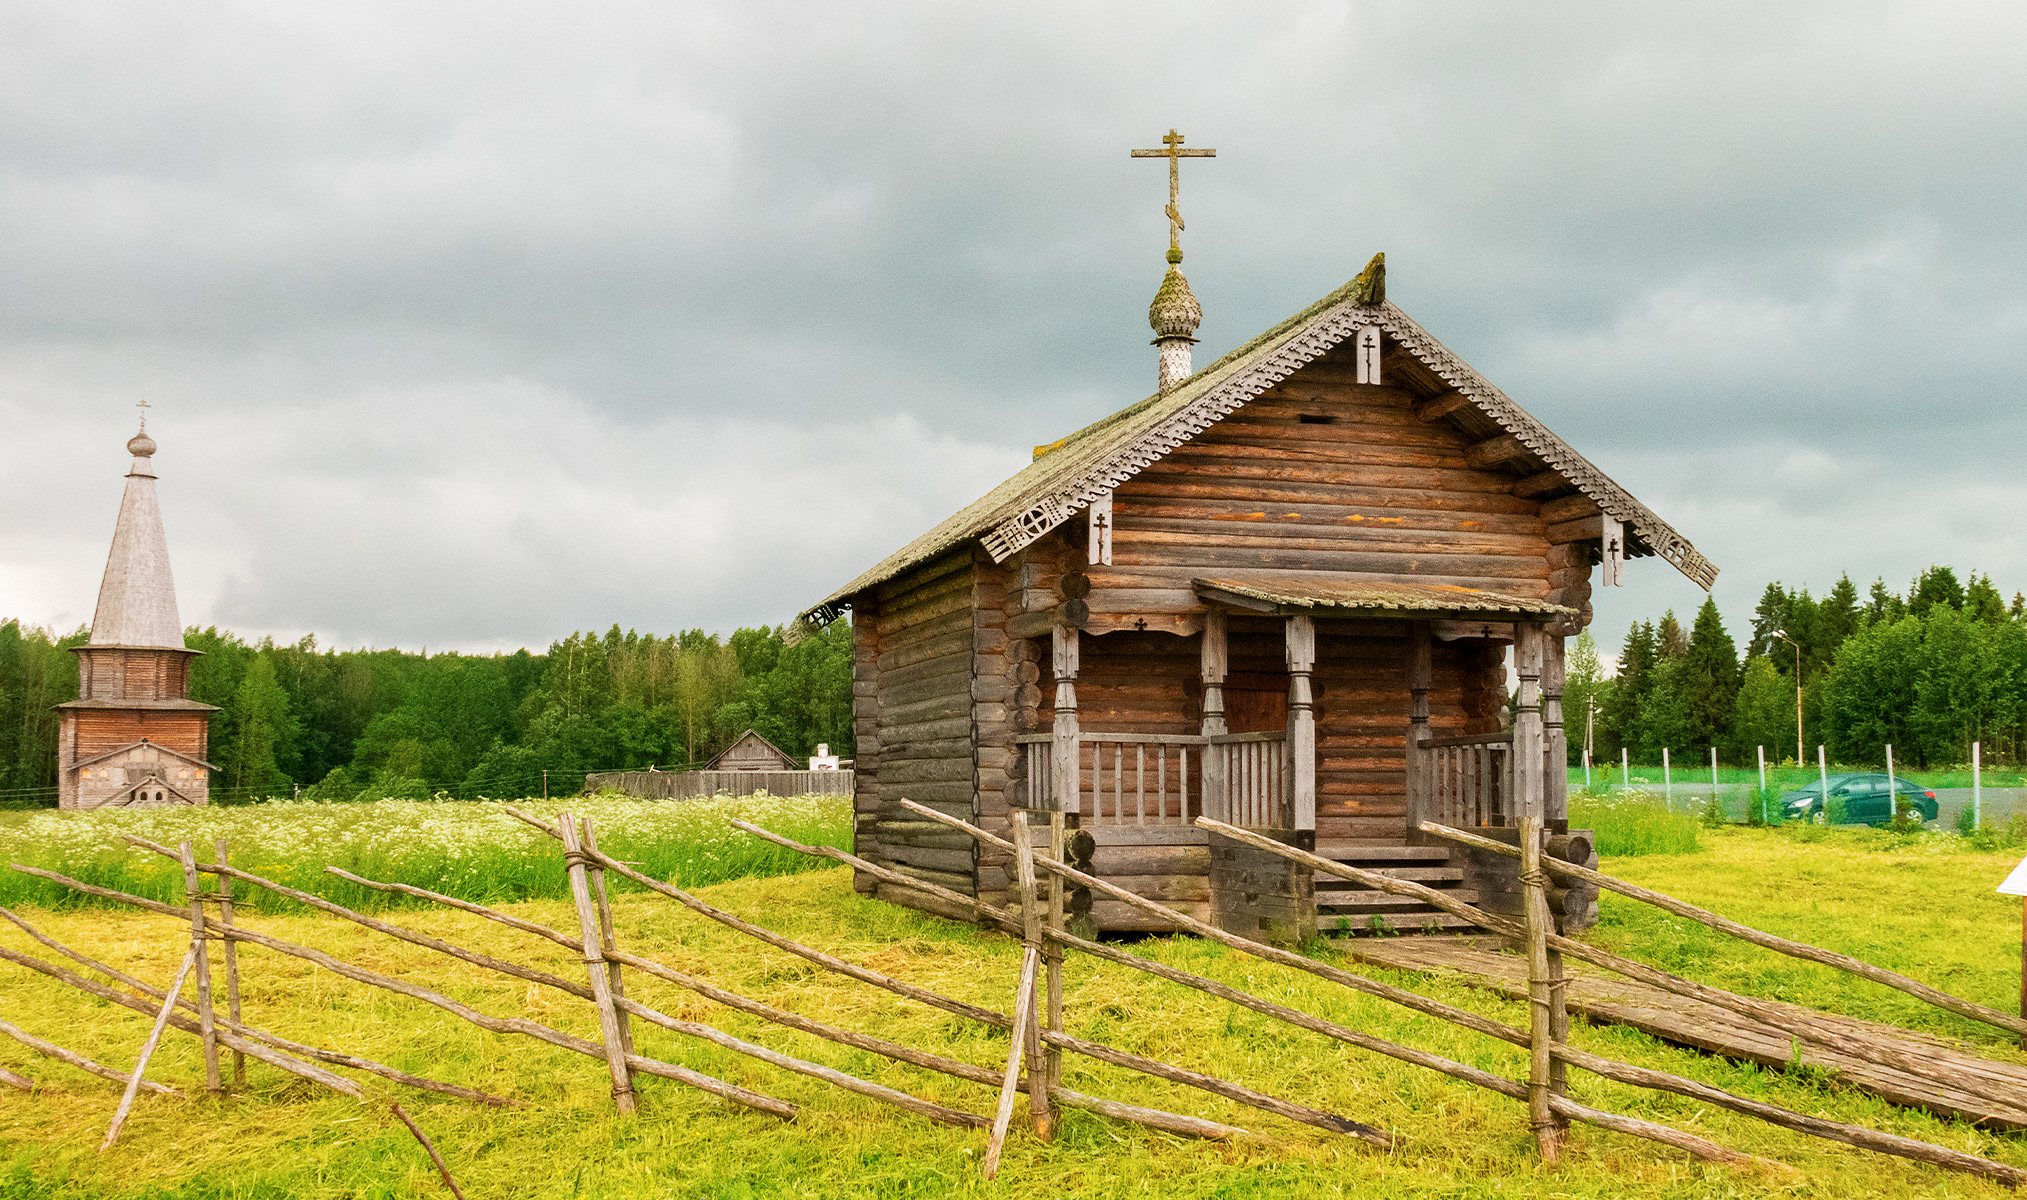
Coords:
pixel 1864 796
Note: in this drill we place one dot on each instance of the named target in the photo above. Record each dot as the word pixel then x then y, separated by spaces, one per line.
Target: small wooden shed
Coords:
pixel 1282 592
pixel 751 752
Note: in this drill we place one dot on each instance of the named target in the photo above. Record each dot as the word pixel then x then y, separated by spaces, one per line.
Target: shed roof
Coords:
pixel 750 737
pixel 1069 474
pixel 1369 597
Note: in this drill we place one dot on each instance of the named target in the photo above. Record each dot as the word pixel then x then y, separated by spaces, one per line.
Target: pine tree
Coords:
pixel 1710 677
pixel 1584 697
pixel 1982 601
pixel 1937 585
pixel 1882 605
pixel 263 711
pixel 1669 642
pixel 1630 685
pixel 1838 616
pixel 1770 616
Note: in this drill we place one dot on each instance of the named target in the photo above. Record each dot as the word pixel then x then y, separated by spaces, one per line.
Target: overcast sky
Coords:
pixel 468 325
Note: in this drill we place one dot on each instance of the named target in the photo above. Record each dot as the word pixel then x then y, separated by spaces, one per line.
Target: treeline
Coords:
pixel 339 724
pixel 1928 673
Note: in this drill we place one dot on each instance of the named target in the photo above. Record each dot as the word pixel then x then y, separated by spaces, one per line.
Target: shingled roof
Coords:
pixel 1069 474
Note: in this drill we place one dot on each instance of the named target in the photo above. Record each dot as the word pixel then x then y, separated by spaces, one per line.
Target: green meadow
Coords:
pixel 1920 904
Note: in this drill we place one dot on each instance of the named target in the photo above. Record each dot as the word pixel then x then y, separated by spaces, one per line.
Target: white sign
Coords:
pixel 2016 883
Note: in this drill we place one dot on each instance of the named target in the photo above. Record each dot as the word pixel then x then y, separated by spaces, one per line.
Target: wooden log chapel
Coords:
pixel 1281 592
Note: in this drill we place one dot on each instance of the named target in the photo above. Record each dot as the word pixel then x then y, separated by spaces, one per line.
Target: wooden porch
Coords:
pixel 1136 794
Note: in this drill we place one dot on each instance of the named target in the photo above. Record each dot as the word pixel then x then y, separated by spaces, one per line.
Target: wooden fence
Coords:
pixel 1033 1065
pixel 689 785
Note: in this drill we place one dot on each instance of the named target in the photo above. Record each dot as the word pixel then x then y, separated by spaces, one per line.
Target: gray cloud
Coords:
pixel 470 324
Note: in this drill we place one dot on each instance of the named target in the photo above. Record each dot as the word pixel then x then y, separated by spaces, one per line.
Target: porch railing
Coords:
pixel 1122 778
pixel 1165 779
pixel 1469 780
pixel 1254 768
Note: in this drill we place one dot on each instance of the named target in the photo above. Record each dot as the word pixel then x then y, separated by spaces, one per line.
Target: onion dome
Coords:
pixel 1175 312
pixel 141 445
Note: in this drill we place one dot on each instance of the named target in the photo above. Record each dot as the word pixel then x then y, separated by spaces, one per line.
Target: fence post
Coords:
pixel 1762 750
pixel 1625 768
pixel 1715 797
pixel 1823 773
pixel 1544 989
pixel 1667 780
pixel 1977 790
pixel 193 890
pixel 609 1025
pixel 1892 791
pixel 231 961
pixel 607 942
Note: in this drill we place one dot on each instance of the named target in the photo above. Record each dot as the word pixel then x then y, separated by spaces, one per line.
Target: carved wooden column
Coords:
pixel 1421 671
pixel 1555 741
pixel 1529 790
pixel 1215 800
pixel 1301 639
pixel 1063 765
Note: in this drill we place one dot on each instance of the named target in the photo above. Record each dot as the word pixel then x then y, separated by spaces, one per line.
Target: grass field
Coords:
pixel 468 849
pixel 1929 913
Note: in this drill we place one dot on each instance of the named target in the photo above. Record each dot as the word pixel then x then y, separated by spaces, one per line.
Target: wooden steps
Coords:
pixel 1346 907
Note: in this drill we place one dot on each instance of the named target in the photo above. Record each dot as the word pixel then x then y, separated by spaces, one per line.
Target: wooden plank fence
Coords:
pixel 690 785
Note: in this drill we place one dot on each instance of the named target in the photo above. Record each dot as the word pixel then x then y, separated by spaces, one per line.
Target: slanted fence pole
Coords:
pixel 148 1050
pixel 193 891
pixel 607 942
pixel 231 950
pixel 1024 992
pixel 610 1029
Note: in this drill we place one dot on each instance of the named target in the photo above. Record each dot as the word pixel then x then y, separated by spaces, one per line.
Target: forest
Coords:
pixel 342 724
pixel 1928 673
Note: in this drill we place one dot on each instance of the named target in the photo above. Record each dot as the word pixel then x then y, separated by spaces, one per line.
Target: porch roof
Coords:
pixel 1369 597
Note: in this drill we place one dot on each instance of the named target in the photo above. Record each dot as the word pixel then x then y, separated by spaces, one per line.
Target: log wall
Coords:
pixel 1361 486
pixel 913 673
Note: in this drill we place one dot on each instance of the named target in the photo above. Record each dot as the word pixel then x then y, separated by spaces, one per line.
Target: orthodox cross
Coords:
pixel 144 406
pixel 1172 151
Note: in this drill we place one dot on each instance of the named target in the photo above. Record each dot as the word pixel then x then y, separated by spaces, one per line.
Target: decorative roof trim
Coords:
pixel 1052 497
pixel 1187 422
pixel 85 762
pixel 1655 533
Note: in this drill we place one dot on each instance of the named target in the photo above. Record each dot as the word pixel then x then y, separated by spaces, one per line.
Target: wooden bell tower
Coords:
pixel 133 736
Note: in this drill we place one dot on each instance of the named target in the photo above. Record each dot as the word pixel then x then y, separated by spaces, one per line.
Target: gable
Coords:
pixel 1095 461
pixel 1320 475
pixel 751 752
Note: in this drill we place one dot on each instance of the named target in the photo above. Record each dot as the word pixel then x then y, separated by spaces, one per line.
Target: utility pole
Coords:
pixel 1783 635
